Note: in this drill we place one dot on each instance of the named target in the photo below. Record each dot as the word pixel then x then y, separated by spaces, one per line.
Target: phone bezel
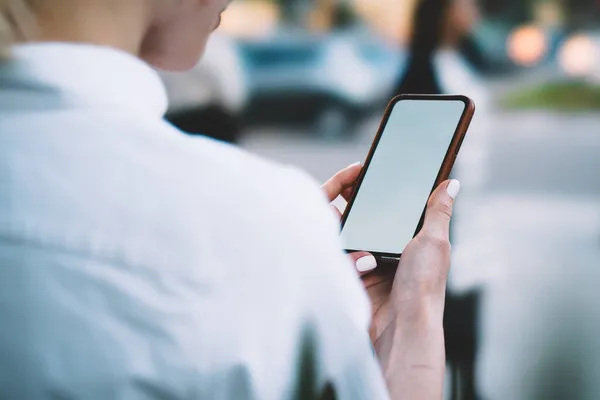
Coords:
pixel 445 168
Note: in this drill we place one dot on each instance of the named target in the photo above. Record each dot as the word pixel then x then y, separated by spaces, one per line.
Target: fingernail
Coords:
pixel 453 188
pixel 356 164
pixel 366 264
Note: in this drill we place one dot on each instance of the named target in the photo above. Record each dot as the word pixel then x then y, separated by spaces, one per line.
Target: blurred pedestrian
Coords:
pixel 140 263
pixel 441 31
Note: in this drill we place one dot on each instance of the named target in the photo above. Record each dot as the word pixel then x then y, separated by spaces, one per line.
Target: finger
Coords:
pixel 439 211
pixel 337 212
pixel 347 194
pixel 342 181
pixel 364 262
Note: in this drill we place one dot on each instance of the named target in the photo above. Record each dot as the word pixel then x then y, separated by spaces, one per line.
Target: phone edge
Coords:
pixel 445 169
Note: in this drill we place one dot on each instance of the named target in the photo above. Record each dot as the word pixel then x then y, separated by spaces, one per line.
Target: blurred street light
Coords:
pixel 527 45
pixel 578 56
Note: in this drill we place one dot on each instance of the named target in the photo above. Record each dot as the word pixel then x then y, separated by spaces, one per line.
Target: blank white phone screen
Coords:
pixel 391 199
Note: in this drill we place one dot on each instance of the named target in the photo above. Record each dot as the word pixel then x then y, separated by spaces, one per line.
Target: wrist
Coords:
pixel 411 349
pixel 419 312
pixel 421 316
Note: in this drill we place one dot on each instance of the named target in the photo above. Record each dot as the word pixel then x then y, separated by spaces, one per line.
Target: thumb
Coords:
pixel 364 262
pixel 439 211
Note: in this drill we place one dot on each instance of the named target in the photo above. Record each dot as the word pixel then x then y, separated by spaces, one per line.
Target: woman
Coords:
pixel 138 263
pixel 438 65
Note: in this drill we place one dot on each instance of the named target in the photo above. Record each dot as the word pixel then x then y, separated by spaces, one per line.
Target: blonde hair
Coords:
pixel 16 24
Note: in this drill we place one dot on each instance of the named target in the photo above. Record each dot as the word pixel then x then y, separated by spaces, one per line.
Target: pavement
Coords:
pixel 528 233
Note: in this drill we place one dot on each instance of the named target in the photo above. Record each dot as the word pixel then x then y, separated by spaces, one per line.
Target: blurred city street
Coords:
pixel 98 230
pixel 530 238
pixel 526 228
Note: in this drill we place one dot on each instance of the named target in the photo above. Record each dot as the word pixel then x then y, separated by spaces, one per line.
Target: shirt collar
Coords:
pixel 89 75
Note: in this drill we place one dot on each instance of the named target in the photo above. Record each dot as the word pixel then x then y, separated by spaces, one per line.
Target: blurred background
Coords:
pixel 305 82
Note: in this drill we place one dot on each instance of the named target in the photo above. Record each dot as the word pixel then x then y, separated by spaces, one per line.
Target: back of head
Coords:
pixel 428 28
pixel 169 34
pixel 16 24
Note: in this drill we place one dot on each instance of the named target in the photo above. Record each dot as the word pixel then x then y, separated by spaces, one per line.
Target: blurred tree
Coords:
pixel 343 15
pixel 581 13
pixel 516 11
pixel 577 13
pixel 321 14
pixel 295 12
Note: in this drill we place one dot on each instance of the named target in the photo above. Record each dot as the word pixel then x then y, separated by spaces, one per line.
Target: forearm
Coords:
pixel 412 353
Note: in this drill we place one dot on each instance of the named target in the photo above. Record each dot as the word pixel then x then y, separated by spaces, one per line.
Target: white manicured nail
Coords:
pixel 366 264
pixel 453 188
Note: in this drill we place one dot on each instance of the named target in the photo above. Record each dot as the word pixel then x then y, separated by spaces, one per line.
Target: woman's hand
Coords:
pixel 425 262
pixel 378 283
pixel 408 302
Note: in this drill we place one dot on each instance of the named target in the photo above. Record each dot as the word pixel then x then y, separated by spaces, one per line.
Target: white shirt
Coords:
pixel 140 263
pixel 218 79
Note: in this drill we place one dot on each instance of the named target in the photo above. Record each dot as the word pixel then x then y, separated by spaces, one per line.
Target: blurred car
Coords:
pixel 210 98
pixel 326 83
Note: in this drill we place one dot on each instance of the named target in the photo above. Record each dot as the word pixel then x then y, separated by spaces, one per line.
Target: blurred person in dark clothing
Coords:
pixel 441 35
pixel 139 263
pixel 437 64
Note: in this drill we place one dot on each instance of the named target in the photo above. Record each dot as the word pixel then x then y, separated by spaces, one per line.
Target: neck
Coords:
pixel 120 24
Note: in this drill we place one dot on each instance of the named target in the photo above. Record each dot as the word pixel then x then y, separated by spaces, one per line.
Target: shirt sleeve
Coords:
pixel 337 354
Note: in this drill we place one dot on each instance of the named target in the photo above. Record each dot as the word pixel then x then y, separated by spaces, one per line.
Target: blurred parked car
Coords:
pixel 327 83
pixel 209 99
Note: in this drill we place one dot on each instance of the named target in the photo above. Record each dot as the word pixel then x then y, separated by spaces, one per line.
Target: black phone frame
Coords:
pixel 445 169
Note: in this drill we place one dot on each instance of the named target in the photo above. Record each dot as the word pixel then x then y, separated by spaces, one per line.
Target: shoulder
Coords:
pixel 264 219
pixel 276 196
pixel 226 191
pixel 281 211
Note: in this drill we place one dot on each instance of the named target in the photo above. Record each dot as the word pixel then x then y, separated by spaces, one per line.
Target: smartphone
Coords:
pixel 414 151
